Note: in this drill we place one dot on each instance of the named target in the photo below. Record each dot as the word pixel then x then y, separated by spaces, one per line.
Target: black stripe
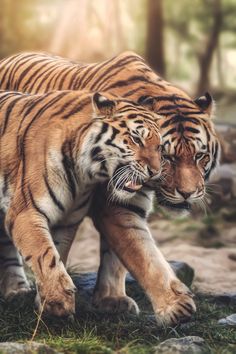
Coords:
pixel 27 258
pixel 95 72
pixel 118 64
pixel 173 98
pixel 4 62
pixel 66 73
pixel 12 264
pixel 40 75
pixel 53 75
pixel 61 71
pixel 22 141
pixel 82 76
pixel 103 131
pixel 44 77
pixel 53 262
pixel 132 79
pixel 40 72
pixel 134 208
pixel 39 263
pixel 14 67
pixel 178 119
pixel 181 118
pixel 83 204
pixel 192 130
pixel 207 133
pixel 109 143
pixel 78 107
pixel 96 154
pixel 118 67
pixel 25 72
pixel 177 107
pixel 171 131
pixel 68 166
pixel 8 113
pixel 131 92
pixel 65 106
pixel 52 195
pixel 102 174
pixel 36 207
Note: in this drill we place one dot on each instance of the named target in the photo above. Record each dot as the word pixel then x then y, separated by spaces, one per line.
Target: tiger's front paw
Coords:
pixel 117 304
pixel 14 286
pixel 175 305
pixel 56 296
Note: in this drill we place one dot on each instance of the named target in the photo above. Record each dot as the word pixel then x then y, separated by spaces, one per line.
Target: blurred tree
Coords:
pixel 155 36
pixel 205 58
pixel 196 32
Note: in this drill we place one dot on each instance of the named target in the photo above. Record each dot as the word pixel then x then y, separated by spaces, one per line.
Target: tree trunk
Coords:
pixel 220 73
pixel 205 59
pixel 155 34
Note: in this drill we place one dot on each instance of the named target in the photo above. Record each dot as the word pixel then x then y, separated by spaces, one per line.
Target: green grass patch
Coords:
pixel 94 332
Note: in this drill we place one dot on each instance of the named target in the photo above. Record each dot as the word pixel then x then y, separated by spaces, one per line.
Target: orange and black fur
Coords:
pixel 190 152
pixel 55 148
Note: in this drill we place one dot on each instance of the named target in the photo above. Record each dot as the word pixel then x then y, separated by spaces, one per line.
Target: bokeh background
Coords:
pixel 191 44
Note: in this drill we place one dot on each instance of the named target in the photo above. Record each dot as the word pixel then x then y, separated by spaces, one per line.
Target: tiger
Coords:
pixel 191 151
pixel 55 148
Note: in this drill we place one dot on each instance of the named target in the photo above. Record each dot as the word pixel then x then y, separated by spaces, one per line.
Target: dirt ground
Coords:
pixel 208 246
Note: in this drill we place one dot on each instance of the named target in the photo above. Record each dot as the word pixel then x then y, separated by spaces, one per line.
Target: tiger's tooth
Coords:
pixel 132 185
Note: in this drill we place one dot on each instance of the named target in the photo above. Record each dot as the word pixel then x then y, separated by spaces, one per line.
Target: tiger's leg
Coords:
pixel 30 233
pixel 13 280
pixel 128 236
pixel 63 238
pixel 109 293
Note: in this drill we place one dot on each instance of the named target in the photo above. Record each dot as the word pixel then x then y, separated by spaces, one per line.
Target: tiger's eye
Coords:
pixel 169 158
pixel 199 155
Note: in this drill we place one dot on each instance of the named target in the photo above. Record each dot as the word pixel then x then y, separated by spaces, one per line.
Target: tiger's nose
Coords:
pixel 184 194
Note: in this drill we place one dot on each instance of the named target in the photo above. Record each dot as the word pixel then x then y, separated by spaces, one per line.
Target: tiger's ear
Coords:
pixel 147 101
pixel 205 103
pixel 103 105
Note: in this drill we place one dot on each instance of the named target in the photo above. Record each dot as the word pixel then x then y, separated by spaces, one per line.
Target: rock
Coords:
pixel 228 144
pixel 183 271
pixel 187 345
pixel 86 282
pixel 26 348
pixel 228 321
pixel 214 270
pixel 224 185
pixel 226 299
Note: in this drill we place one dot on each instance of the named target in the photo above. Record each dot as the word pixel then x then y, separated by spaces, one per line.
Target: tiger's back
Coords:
pixel 39 72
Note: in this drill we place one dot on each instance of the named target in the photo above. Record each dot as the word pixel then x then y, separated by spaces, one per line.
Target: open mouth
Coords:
pixel 131 187
pixel 168 204
pixel 126 179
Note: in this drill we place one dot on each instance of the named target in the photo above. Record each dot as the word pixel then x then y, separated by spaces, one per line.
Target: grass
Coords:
pixel 94 332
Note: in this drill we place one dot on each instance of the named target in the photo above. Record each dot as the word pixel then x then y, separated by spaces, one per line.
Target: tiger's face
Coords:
pixel 190 151
pixel 126 146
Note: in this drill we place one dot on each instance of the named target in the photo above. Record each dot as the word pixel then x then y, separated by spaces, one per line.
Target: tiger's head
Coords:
pixel 190 146
pixel 125 144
